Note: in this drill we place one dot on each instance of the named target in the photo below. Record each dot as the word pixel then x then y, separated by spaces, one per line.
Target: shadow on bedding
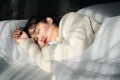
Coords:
pixel 3 65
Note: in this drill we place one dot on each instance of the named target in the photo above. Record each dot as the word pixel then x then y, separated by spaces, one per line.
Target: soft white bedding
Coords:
pixel 101 12
pixel 11 52
pixel 101 61
pixel 14 64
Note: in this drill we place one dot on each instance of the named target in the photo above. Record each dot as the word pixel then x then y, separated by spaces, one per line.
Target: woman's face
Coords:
pixel 43 33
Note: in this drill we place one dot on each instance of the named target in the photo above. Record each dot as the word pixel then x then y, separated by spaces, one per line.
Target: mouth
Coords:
pixel 45 41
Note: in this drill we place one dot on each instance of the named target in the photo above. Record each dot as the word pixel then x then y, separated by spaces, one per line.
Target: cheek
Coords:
pixel 43 32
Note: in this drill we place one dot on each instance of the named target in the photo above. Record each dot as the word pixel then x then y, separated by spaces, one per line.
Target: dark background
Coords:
pixel 24 9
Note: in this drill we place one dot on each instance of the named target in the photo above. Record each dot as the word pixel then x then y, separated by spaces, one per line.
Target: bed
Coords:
pixel 101 61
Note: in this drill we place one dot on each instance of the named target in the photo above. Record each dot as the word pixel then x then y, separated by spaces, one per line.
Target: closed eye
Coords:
pixel 37 30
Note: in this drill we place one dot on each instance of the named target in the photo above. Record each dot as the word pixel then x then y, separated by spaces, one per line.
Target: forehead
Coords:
pixel 40 24
pixel 35 26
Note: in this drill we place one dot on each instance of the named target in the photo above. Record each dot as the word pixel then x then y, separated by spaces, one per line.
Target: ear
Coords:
pixel 49 20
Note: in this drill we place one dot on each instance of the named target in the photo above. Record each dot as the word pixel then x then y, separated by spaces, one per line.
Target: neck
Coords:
pixel 54 31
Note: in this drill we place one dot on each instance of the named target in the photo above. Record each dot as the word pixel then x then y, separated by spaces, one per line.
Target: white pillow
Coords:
pixel 101 12
pixel 9 50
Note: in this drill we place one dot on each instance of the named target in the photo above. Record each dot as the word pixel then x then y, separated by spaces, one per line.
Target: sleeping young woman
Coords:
pixel 50 38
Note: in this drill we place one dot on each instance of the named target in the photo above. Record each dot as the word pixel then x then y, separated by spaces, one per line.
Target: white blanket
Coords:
pixel 99 62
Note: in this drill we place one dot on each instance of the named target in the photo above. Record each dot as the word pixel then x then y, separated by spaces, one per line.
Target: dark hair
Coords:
pixel 36 19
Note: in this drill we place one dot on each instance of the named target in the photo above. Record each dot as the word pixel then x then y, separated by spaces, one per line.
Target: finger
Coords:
pixel 16 32
pixel 19 32
pixel 15 36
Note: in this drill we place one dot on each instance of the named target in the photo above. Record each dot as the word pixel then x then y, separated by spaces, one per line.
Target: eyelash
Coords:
pixel 37 31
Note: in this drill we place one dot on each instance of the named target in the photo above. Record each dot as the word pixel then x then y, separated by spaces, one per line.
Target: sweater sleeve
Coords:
pixel 34 53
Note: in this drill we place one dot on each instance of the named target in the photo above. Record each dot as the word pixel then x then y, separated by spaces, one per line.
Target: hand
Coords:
pixel 19 35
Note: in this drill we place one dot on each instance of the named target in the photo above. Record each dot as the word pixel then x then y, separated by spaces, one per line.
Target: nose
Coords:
pixel 38 38
pixel 41 38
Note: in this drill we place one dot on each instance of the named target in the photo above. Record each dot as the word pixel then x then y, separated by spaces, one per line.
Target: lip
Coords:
pixel 45 41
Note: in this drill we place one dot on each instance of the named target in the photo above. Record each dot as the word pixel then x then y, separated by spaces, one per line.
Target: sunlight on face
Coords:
pixel 42 33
